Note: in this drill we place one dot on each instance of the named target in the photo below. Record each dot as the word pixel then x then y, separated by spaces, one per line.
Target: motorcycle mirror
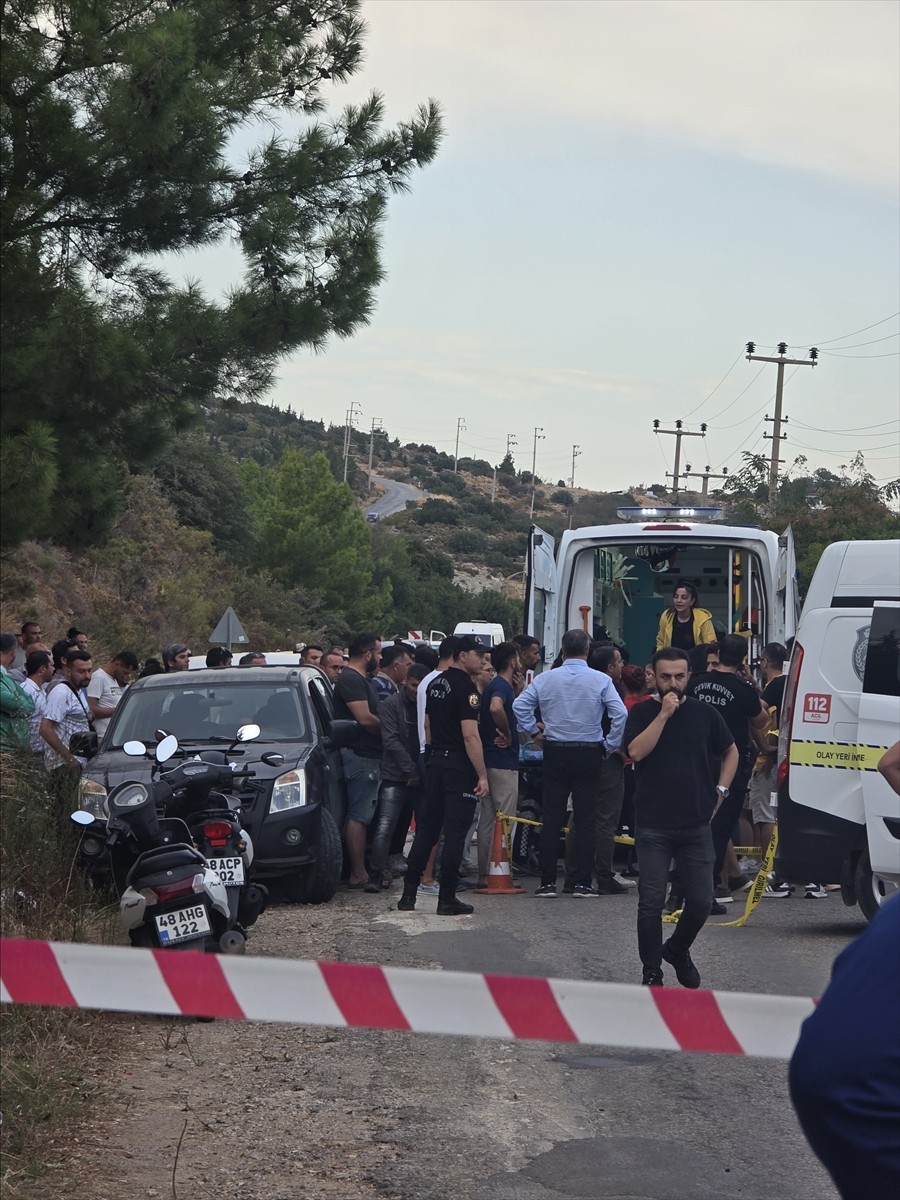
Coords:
pixel 248 733
pixel 81 817
pixel 166 748
pixel 135 749
pixel 272 758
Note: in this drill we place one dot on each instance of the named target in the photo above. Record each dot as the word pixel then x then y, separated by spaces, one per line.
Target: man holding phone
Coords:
pixel 674 740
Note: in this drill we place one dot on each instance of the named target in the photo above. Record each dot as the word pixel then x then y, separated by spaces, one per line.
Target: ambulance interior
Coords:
pixel 633 584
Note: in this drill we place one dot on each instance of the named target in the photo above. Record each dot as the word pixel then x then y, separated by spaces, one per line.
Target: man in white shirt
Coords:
pixel 106 687
pixel 67 713
pixel 38 673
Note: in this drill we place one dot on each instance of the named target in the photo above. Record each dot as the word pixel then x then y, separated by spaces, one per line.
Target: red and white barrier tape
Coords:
pixel 184 983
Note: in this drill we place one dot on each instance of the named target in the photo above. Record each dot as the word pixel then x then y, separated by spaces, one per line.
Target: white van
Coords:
pixel 488 631
pixel 838 820
pixel 620 578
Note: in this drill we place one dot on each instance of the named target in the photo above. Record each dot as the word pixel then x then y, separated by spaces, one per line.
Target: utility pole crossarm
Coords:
pixel 678 433
pixel 777 436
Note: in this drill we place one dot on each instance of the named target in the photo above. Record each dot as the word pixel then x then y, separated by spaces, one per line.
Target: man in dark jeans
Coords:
pixel 455 775
pixel 673 740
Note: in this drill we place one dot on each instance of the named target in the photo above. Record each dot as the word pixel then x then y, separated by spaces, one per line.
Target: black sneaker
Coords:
pixel 717 910
pixel 453 908
pixel 611 887
pixel 687 973
pixel 406 903
pixel 652 977
pixel 548 890
pixel 581 890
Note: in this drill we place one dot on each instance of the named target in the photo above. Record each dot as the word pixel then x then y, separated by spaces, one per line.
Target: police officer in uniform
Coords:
pixel 455 775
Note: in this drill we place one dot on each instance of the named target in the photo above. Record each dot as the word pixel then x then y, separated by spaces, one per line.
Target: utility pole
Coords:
pixel 706 476
pixel 776 436
pixel 351 416
pixel 376 428
pixel 576 453
pixel 678 433
pixel 538 436
pixel 460 425
pixel 510 442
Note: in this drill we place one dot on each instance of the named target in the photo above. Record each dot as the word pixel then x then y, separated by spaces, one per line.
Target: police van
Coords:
pixel 616 580
pixel 838 819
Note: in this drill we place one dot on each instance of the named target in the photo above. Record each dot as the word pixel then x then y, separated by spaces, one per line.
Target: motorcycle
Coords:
pixel 177 841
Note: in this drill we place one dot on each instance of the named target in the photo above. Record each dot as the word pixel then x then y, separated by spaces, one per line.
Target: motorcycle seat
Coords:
pixel 153 865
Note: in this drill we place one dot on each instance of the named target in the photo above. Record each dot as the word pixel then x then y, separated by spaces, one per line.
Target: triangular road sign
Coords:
pixel 229 630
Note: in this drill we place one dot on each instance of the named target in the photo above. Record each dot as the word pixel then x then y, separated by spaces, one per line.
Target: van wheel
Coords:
pixel 871 892
pixel 317 884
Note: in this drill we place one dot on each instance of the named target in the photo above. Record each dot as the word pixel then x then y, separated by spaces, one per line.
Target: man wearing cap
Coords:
pixel 455 775
pixel 573 701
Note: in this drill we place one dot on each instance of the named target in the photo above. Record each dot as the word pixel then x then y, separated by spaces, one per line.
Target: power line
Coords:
pixel 855 450
pixel 738 396
pixel 718 385
pixel 855 345
pixel 837 354
pixel 855 429
pixel 865 329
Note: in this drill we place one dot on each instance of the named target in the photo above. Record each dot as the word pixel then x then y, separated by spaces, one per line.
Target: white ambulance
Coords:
pixel 620 578
pixel 838 819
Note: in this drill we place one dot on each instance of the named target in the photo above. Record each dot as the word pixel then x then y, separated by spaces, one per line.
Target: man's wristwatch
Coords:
pixel 723 791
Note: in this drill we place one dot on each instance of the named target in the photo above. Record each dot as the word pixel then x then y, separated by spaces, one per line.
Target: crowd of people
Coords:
pixel 674 749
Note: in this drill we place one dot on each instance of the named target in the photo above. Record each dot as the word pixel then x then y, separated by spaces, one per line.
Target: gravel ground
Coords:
pixel 277 1112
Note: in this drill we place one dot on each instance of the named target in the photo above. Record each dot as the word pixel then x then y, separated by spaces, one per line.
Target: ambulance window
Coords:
pixel 882 677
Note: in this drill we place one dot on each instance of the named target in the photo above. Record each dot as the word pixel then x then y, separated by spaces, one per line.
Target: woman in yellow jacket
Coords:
pixel 684 624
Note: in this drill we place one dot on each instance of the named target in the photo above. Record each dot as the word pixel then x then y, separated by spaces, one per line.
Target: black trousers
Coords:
pixel 448 804
pixel 575 771
pixel 726 818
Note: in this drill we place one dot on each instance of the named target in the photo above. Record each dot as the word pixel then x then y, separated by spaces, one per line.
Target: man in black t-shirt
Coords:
pixel 738 704
pixel 455 775
pixel 673 741
pixel 355 699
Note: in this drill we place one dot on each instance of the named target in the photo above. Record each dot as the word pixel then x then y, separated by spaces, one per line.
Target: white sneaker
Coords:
pixel 625 881
pixel 749 866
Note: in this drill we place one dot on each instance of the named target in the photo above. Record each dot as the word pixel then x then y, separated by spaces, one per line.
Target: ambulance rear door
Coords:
pixel 541 591
pixel 879 728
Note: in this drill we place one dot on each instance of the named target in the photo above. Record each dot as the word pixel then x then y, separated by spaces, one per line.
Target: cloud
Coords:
pixel 805 83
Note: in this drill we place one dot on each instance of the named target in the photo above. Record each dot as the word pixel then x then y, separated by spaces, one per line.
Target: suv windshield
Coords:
pixel 201 714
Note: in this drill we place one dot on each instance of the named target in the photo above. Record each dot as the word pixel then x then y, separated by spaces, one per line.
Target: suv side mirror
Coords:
pixel 341 734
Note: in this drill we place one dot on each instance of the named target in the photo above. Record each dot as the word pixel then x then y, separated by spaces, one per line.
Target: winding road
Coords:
pixel 395 496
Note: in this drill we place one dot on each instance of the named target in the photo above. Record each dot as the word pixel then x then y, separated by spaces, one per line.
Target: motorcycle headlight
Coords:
pixel 130 795
pixel 288 791
pixel 92 798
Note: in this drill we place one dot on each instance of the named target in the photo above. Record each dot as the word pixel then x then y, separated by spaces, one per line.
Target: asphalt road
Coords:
pixel 395 496
pixel 275 1112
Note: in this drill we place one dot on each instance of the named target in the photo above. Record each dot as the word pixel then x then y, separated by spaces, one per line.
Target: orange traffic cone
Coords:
pixel 499 877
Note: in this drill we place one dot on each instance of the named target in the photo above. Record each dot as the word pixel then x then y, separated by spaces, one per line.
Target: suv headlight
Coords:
pixel 92 798
pixel 288 791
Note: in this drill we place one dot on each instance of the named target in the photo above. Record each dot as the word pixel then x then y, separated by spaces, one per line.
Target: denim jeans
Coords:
pixel 391 801
pixel 694 856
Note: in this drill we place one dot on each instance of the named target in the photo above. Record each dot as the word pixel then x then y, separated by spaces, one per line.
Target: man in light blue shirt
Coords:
pixel 572 700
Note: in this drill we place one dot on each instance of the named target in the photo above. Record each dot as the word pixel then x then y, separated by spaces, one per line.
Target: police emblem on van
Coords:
pixel 860 650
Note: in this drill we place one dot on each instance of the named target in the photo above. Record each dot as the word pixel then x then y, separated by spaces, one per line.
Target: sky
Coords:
pixel 627 193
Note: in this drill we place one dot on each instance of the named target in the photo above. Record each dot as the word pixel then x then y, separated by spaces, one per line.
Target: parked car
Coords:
pixel 372 515
pixel 294 811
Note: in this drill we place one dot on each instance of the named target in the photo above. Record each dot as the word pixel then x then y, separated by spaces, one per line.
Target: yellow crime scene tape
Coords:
pixel 841 756
pixel 753 896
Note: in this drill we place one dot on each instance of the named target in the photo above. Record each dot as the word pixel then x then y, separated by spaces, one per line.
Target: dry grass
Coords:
pixel 47 1054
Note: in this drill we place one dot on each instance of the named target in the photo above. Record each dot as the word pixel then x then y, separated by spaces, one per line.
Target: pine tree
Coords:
pixel 124 126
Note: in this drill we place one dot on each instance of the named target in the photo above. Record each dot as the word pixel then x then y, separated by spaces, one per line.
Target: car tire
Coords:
pixel 317 883
pixel 871 893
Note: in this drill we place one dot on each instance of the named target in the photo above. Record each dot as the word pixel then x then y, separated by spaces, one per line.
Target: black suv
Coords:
pixel 293 812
